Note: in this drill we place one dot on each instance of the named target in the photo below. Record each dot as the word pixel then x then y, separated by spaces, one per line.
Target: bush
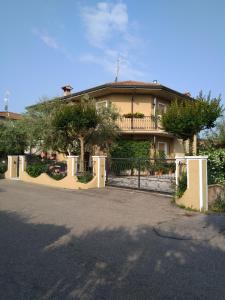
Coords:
pixel 56 176
pixel 182 185
pixel 131 148
pixel 37 169
pixel 219 205
pixel 216 165
pixel 85 178
pixel 3 168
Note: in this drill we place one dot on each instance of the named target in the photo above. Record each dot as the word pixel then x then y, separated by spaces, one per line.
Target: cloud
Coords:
pixel 46 39
pixel 109 32
pixel 104 20
pixel 52 43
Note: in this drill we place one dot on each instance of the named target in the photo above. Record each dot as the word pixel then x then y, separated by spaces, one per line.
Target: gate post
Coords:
pixel 22 166
pixel 196 194
pixel 12 167
pixel 72 161
pixel 99 169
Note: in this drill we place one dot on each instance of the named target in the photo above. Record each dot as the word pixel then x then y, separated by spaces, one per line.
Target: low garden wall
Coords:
pixel 68 182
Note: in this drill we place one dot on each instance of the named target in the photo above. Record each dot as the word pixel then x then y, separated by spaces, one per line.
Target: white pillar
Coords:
pixel 201 166
pixel 74 163
pixel 99 169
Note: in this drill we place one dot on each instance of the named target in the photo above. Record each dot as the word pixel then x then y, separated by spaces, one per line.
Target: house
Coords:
pixel 140 104
pixel 4 115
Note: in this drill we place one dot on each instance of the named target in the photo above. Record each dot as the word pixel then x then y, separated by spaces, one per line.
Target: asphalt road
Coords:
pixel 106 244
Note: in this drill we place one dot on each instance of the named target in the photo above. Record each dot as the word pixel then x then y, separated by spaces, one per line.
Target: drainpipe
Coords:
pixel 132 111
pixel 154 145
pixel 155 111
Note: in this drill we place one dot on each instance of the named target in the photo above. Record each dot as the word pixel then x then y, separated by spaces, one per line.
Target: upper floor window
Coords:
pixel 102 104
pixel 161 108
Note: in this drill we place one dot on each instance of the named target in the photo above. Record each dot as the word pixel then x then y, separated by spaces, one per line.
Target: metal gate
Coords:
pixel 149 174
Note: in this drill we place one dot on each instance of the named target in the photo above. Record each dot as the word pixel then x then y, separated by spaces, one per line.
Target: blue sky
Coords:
pixel 48 43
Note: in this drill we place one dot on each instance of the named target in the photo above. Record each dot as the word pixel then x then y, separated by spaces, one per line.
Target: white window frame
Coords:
pixel 102 101
pixel 163 104
pixel 165 147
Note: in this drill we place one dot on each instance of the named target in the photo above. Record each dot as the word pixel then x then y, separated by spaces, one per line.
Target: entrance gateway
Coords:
pixel 150 174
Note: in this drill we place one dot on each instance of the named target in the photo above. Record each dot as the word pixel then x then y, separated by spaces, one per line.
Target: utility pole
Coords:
pixel 117 68
pixel 6 102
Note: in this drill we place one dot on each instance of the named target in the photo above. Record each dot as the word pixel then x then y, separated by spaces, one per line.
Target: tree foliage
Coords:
pixel 12 138
pixel 84 125
pixel 184 119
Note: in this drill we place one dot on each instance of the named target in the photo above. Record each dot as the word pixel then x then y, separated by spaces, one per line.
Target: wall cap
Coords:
pixel 70 156
pixel 99 156
pixel 196 157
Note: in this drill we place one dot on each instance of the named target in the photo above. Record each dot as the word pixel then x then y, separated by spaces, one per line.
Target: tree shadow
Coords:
pixel 43 261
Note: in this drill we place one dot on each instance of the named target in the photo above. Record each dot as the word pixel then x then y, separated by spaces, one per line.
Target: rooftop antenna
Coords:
pixel 117 68
pixel 6 101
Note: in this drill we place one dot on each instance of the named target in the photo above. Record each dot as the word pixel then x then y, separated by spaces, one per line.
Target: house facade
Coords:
pixel 140 106
pixel 5 115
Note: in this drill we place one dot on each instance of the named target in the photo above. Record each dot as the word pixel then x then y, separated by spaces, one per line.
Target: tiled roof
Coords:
pixel 133 83
pixel 10 115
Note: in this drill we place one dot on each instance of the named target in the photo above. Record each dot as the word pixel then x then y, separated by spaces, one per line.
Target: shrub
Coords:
pixel 85 178
pixel 37 169
pixel 182 185
pixel 216 165
pixel 56 176
pixel 131 148
pixel 219 205
pixel 3 168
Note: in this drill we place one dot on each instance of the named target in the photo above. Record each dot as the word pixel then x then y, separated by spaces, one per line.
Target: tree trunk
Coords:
pixel 191 144
pixel 81 139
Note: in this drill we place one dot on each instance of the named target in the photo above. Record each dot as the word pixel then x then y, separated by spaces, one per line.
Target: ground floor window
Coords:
pixel 163 146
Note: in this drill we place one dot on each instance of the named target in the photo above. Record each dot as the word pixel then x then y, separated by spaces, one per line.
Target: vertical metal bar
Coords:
pixel 18 166
pixel 139 173
pixel 107 169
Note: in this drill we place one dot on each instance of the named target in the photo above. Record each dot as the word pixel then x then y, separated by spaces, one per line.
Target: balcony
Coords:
pixel 138 124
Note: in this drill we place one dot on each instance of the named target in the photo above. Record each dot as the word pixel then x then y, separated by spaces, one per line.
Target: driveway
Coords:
pixel 106 244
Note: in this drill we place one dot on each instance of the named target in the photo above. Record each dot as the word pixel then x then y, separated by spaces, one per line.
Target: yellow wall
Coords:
pixel 141 103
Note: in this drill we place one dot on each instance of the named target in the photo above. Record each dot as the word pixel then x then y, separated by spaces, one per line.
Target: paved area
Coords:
pixel 106 244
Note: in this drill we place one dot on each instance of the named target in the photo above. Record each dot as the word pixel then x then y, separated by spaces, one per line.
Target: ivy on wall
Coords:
pixel 131 149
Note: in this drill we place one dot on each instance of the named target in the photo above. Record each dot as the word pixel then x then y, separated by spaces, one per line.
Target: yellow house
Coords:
pixel 139 103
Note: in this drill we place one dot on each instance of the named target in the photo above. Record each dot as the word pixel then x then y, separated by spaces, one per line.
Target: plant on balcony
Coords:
pixel 136 115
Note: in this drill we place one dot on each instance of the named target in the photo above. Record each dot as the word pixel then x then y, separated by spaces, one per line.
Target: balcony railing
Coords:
pixel 145 123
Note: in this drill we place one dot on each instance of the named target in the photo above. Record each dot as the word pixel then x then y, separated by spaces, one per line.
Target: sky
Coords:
pixel 46 44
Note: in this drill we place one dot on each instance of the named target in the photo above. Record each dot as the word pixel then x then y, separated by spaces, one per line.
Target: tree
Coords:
pixel 83 124
pixel 12 139
pixel 107 130
pixel 76 121
pixel 36 123
pixel 185 119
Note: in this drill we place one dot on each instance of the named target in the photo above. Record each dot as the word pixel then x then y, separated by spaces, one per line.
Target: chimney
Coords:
pixel 187 93
pixel 67 90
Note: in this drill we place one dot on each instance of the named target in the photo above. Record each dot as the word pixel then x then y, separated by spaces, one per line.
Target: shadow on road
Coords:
pixel 44 261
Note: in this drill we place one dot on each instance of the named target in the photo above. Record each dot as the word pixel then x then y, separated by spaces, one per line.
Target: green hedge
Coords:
pixel 131 148
pixel 3 168
pixel 216 165
pixel 37 169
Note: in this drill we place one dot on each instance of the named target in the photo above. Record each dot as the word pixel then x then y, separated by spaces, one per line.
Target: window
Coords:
pixel 101 104
pixel 163 146
pixel 161 108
